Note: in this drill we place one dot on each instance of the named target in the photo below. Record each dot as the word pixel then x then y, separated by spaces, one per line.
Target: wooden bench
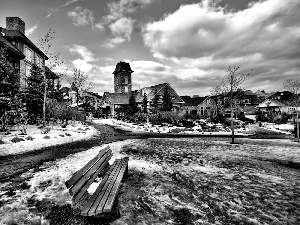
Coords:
pixel 103 198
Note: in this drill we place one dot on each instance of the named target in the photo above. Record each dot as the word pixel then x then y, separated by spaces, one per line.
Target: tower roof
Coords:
pixel 123 66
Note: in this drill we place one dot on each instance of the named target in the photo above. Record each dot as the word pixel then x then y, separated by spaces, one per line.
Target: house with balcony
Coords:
pixel 278 102
pixel 14 54
pixel 25 52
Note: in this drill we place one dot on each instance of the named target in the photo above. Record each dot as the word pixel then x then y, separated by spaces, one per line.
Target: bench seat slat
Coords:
pixel 79 173
pixel 76 187
pixel 114 191
pixel 78 195
pixel 105 189
pixel 91 201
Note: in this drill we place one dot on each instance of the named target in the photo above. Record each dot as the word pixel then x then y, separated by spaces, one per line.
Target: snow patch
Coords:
pixel 57 136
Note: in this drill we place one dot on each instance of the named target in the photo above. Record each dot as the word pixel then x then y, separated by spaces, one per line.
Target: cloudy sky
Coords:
pixel 186 43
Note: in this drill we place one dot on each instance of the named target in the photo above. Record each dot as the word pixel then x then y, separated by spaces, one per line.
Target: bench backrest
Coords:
pixel 84 177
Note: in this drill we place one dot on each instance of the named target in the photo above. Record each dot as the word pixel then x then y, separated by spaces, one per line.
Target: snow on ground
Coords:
pixel 165 129
pixel 49 184
pixel 57 135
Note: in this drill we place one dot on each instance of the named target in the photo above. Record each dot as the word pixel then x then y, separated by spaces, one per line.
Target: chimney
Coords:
pixel 15 23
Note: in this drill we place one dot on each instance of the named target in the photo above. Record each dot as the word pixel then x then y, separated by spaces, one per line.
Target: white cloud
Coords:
pixel 121 32
pixel 148 66
pixel 82 17
pixel 122 27
pixel 265 37
pixel 119 9
pixel 111 43
pixel 100 26
pixel 83 63
pixel 119 21
pixel 32 29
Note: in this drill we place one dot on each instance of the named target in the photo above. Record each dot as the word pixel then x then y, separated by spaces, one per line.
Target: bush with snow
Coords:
pixel 29 138
pixel 17 139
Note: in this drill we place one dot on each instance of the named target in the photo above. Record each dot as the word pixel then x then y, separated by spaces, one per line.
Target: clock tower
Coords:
pixel 122 78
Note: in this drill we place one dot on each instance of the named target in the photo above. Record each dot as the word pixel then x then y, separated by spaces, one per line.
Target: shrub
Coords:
pixel 67 134
pixel 63 125
pixel 46 137
pixel 29 138
pixel 45 130
pixel 61 135
pixel 17 139
pixel 176 130
pixel 1 142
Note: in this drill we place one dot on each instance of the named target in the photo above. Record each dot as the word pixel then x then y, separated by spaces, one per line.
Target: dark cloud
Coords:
pixel 264 36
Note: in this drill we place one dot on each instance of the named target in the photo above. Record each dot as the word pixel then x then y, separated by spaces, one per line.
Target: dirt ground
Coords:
pixel 207 181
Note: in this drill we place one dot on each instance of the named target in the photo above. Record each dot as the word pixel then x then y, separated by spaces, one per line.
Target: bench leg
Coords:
pixel 125 176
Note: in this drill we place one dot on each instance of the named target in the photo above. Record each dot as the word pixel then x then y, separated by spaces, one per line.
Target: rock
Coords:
pixel 24 186
pixel 227 187
pixel 11 221
pixel 185 162
pixel 205 206
pixel 10 193
pixel 35 221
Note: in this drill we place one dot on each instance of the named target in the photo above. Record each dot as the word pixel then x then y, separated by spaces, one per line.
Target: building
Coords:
pixel 278 102
pixel 14 54
pixel 159 89
pixel 245 101
pixel 262 95
pixel 122 78
pixel 25 52
pixel 196 105
pixel 112 102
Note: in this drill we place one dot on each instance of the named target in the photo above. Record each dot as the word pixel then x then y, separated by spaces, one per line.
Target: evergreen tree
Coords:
pixel 58 85
pixel 167 100
pixel 155 100
pixel 144 103
pixel 9 84
pixel 10 100
pixel 132 107
pixel 35 92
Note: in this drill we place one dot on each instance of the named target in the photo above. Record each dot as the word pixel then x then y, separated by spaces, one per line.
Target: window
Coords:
pixel 202 111
pixel 28 54
pixel 38 61
pixel 27 70
pixel 126 80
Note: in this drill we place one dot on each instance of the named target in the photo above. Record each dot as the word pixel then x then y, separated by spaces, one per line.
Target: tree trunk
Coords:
pixel 232 128
pixel 297 125
pixel 45 96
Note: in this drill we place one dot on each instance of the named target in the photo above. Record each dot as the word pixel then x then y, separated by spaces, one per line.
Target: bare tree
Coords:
pixel 80 82
pixel 46 43
pixel 294 87
pixel 216 105
pixel 230 87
